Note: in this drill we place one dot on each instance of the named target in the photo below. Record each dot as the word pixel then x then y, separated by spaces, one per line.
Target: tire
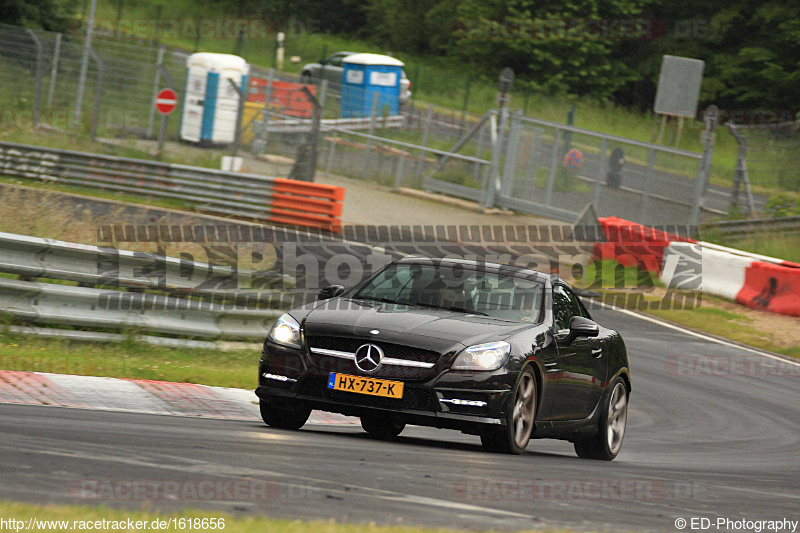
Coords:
pixel 607 443
pixel 306 78
pixel 284 417
pixel 521 419
pixel 381 427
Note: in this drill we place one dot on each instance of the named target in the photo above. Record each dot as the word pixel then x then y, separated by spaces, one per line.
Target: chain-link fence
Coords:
pixel 502 158
pixel 769 156
pixel 40 80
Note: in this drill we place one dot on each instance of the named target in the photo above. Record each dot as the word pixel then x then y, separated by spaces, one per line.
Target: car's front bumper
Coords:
pixel 464 401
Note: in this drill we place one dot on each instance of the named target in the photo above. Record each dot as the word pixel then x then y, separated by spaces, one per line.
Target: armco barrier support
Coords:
pixel 248 196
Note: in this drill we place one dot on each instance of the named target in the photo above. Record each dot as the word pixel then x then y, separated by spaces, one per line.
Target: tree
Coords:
pixel 566 47
pixel 50 15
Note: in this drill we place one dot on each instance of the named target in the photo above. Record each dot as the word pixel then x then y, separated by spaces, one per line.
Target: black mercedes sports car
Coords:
pixel 503 352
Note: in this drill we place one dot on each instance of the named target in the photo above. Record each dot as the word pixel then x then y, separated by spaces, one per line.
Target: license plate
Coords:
pixel 362 385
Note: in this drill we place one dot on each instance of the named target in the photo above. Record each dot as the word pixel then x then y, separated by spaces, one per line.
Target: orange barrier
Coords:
pixel 772 287
pixel 286 95
pixel 301 203
pixel 634 244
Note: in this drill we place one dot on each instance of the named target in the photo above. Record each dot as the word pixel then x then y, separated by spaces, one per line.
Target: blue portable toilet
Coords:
pixel 211 104
pixel 365 75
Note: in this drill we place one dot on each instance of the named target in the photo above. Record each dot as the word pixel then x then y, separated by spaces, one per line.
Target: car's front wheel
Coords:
pixel 606 444
pixel 515 436
pixel 306 78
pixel 282 416
pixel 381 427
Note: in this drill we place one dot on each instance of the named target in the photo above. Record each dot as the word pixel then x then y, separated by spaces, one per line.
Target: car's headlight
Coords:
pixel 488 356
pixel 285 331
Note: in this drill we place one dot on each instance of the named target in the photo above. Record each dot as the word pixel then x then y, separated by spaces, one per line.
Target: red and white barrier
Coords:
pixel 750 279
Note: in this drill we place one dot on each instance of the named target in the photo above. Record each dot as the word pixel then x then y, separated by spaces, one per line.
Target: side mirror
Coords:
pixel 332 291
pixel 580 327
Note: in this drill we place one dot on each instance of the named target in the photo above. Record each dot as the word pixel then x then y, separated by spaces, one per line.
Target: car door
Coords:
pixel 332 71
pixel 578 371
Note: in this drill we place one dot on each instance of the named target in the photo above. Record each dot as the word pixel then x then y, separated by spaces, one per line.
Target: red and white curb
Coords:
pixel 139 396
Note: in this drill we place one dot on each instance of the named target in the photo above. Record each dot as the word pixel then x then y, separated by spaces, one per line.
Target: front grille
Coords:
pixel 327 363
pixel 398 351
pixel 416 398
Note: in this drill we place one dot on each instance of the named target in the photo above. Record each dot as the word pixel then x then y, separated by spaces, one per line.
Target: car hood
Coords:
pixel 433 328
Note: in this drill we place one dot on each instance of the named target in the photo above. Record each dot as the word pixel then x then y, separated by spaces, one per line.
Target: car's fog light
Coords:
pixel 277 377
pixel 469 403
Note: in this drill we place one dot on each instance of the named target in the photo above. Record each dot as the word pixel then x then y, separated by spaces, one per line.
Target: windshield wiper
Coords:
pixel 450 308
pixel 376 299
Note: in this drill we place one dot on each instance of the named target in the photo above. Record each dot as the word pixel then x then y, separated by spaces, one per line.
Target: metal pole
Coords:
pixel 602 171
pixel 551 178
pixel 260 143
pixel 156 83
pixel 660 137
pixel 323 93
pixel 54 70
pixel 38 97
pixel 476 173
pixel 648 177
pixel 493 183
pixel 680 130
pixel 162 132
pixel 741 166
pixel 507 175
pixel 98 93
pixel 398 176
pixel 317 118
pixel 76 117
pixel 237 134
pixel 331 150
pixel 367 154
pixel 704 169
pixel 466 101
pixel 425 134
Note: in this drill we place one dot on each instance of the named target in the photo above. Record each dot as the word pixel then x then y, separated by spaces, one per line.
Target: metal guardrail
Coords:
pixel 36 257
pixel 755 226
pixel 50 303
pixel 237 308
pixel 249 196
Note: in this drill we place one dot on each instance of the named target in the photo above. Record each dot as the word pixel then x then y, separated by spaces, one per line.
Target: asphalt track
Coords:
pixel 720 439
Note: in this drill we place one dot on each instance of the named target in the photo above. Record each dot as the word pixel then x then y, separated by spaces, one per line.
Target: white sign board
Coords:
pixel 383 79
pixel 355 76
pixel 679 86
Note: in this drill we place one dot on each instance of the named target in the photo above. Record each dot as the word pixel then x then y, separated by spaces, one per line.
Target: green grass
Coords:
pixel 717 322
pixel 773 245
pixel 709 315
pixel 71 513
pixel 130 359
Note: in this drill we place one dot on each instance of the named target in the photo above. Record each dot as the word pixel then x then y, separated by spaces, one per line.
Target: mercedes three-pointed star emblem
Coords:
pixel 369 357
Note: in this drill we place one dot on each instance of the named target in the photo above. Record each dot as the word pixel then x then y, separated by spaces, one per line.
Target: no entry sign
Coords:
pixel 166 101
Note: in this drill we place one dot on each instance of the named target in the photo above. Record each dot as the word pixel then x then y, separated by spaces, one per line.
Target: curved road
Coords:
pixel 710 436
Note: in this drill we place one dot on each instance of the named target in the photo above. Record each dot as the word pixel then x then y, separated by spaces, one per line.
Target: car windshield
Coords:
pixel 458 288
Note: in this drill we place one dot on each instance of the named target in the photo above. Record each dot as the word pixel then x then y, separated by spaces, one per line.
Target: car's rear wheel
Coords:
pixel 284 416
pixel 306 78
pixel 382 427
pixel 607 443
pixel 515 436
